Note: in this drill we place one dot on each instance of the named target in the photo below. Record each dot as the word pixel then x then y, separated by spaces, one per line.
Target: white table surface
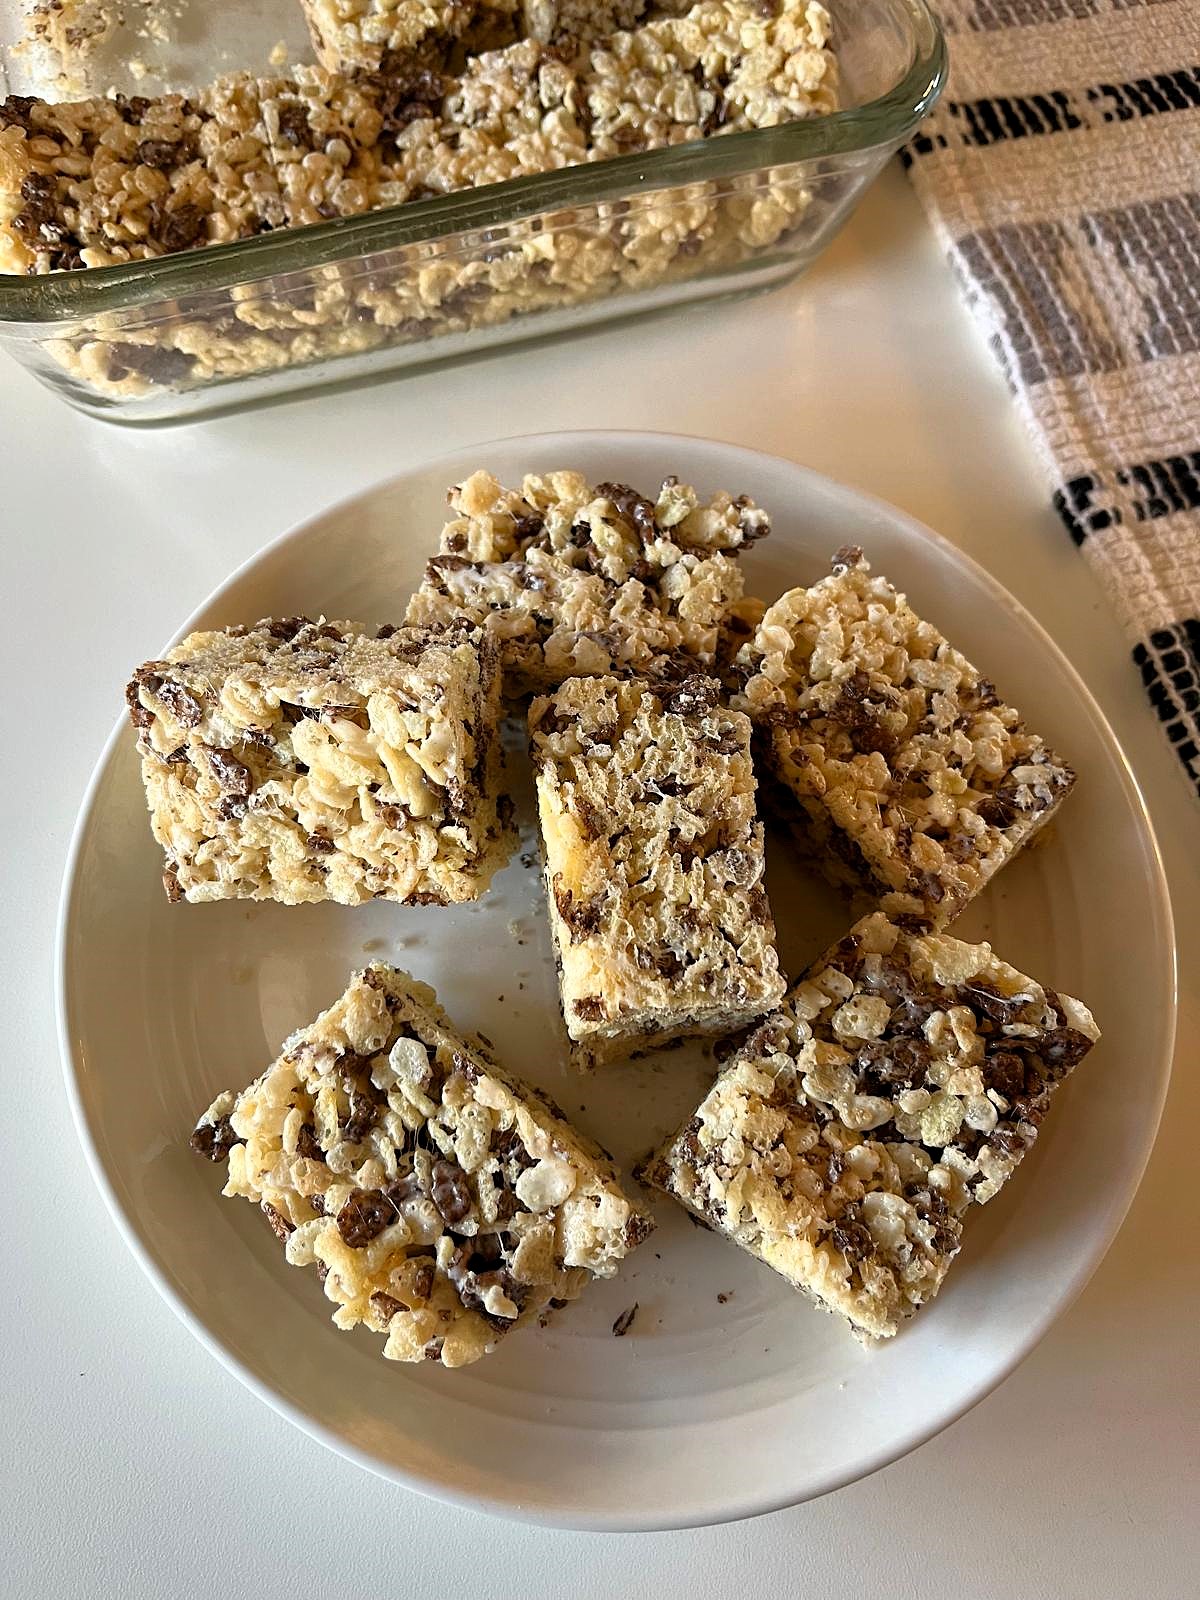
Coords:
pixel 131 1463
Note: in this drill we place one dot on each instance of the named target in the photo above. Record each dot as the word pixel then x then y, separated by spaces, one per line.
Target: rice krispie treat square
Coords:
pixel 654 863
pixel 442 1202
pixel 372 35
pixel 903 770
pixel 300 761
pixel 331 138
pixel 572 578
pixel 101 181
pixel 376 35
pixel 719 67
pixel 844 1144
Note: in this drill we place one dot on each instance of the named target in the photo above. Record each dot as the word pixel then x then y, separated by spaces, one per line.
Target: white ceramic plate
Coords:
pixel 709 1409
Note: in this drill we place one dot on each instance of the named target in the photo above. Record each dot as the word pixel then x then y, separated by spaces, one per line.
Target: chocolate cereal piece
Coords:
pixel 442 1201
pixel 654 863
pixel 300 761
pixel 575 578
pixel 845 1143
pixel 901 767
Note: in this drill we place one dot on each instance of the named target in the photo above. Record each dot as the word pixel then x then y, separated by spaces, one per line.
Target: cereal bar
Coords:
pixel 573 578
pixel 299 761
pixel 904 1079
pixel 442 1201
pixel 373 35
pixel 721 67
pixel 101 181
pixel 369 35
pixel 653 859
pixel 559 21
pixel 104 181
pixel 901 766
pixel 329 138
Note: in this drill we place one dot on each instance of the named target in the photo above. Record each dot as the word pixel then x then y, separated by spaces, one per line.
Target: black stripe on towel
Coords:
pixel 996 119
pixel 1150 490
pixel 1169 661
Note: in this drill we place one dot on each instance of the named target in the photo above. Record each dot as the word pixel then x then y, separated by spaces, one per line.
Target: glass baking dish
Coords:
pixel 401 289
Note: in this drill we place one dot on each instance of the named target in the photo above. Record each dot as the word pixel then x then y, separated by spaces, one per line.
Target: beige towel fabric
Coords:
pixel 1062 173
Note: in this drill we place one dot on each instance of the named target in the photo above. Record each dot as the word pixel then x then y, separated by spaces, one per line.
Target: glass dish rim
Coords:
pixel 886 120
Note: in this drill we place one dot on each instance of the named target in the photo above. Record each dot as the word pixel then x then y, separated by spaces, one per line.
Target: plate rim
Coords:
pixel 577 1519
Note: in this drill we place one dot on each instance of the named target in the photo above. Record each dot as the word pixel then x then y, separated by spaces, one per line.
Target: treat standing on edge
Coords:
pixel 300 761
pixel 653 859
pixel 442 1201
pixel 571 578
pixel 895 757
pixel 904 1078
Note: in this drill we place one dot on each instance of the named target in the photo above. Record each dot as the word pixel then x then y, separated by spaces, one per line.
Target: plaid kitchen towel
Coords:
pixel 1062 173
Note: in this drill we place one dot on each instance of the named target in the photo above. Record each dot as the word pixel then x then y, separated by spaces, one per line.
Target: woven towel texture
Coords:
pixel 1062 173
